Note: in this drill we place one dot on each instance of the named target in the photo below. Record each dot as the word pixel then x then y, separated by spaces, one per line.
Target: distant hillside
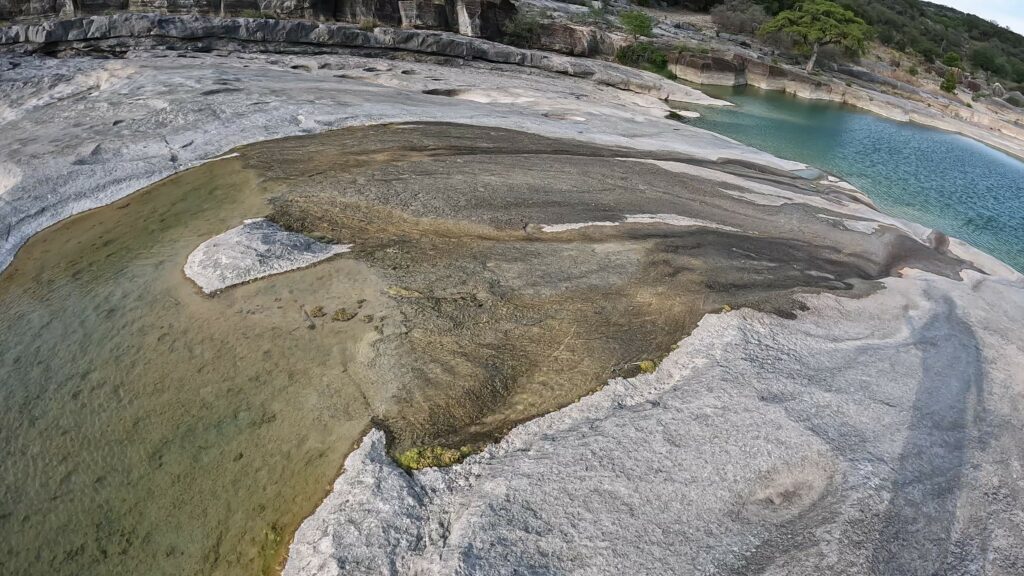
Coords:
pixel 929 29
pixel 933 30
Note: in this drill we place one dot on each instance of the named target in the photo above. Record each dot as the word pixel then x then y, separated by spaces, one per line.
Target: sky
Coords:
pixel 1009 13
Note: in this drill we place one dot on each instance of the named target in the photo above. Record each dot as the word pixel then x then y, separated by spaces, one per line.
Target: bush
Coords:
pixel 637 23
pixel 914 71
pixel 523 30
pixel 988 59
pixel 952 59
pixel 595 14
pixel 644 56
pixel 739 17
pixel 949 84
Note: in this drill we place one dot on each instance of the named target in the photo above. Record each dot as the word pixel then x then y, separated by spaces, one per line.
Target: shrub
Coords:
pixel 739 16
pixel 952 59
pixel 523 30
pixel 637 23
pixel 595 14
pixel 914 71
pixel 949 84
pixel 646 57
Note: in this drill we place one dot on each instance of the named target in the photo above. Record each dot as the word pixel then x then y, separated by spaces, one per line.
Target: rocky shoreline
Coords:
pixel 172 129
pixel 861 89
pixel 123 32
pixel 117 33
pixel 847 402
pixel 849 441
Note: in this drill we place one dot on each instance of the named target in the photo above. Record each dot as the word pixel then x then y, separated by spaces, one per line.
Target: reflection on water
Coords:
pixel 146 429
pixel 939 179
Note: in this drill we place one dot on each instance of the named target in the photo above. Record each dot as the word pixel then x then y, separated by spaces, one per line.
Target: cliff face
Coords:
pixel 478 18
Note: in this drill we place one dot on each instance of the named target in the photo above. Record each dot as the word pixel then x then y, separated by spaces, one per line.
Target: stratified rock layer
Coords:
pixel 469 17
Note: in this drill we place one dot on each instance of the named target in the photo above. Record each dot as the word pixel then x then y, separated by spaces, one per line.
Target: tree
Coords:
pixel 637 23
pixel 952 60
pixel 987 58
pixel 949 84
pixel 816 23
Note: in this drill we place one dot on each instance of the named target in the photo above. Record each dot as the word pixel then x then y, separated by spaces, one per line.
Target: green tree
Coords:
pixel 816 23
pixel 637 23
pixel 952 59
pixel 949 84
pixel 987 58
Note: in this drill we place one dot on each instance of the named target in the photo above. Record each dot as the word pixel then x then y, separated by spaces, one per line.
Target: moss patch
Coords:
pixel 647 366
pixel 342 315
pixel 431 457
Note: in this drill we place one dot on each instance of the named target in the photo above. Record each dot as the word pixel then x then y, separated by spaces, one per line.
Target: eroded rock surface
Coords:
pixel 510 305
pixel 873 436
pixel 256 249
pixel 469 17
pixel 125 32
pixel 84 132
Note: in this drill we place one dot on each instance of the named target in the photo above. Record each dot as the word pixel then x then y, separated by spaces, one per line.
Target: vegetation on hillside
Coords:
pixel 930 30
pixel 644 56
pixel 816 23
pixel 739 16
pixel 949 82
pixel 637 23
pixel 523 30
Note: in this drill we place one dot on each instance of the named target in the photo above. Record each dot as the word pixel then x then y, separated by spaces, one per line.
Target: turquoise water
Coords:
pixel 939 179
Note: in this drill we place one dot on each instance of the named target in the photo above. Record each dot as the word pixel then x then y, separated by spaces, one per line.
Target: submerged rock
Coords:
pixel 873 436
pixel 256 249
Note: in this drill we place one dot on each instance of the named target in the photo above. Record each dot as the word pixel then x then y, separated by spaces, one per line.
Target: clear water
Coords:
pixel 942 180
pixel 146 429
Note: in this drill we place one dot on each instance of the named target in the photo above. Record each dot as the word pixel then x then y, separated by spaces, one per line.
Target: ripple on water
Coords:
pixel 936 178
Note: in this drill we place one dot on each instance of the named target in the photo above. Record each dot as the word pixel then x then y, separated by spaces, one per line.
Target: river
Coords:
pixel 940 179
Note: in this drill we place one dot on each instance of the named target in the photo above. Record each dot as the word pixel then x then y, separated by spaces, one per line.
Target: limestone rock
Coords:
pixel 476 18
pixel 736 453
pixel 712 70
pixel 256 249
pixel 147 30
pixel 567 38
pixel 765 75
